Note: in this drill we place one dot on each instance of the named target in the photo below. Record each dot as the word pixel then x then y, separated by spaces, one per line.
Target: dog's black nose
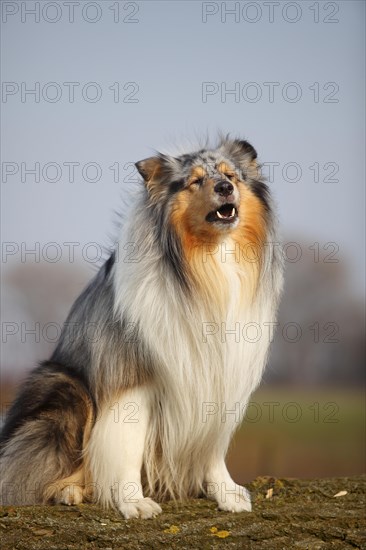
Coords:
pixel 224 188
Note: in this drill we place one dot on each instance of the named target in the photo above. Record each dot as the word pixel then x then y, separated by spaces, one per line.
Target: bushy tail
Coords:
pixel 44 435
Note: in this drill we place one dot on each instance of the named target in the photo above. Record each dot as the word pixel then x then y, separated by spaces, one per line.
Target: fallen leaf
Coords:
pixel 340 494
pixel 269 493
pixel 213 529
pixel 173 530
pixel 222 534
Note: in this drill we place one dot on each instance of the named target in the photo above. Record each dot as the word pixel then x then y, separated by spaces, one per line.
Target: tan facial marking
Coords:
pixel 225 169
pixel 197 173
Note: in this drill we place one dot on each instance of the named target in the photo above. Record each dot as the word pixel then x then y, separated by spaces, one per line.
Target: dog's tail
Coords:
pixel 42 441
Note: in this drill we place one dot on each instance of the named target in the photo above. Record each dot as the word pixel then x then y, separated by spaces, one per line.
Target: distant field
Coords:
pixel 298 433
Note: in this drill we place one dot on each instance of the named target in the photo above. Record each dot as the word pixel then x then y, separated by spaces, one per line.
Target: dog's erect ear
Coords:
pixel 158 170
pixel 150 168
pixel 246 148
pixel 244 156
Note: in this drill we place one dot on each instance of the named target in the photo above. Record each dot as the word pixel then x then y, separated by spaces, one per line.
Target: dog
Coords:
pixel 128 416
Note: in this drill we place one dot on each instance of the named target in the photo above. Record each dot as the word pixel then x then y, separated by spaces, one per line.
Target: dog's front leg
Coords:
pixel 116 452
pixel 230 496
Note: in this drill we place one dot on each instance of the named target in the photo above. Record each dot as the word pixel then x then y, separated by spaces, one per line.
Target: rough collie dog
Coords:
pixel 154 367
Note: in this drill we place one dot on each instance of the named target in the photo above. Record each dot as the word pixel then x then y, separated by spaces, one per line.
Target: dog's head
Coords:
pixel 210 192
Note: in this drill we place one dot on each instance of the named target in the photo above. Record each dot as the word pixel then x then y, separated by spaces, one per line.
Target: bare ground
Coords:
pixel 299 515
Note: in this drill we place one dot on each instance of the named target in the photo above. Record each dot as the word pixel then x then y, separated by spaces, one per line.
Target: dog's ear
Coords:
pixel 246 148
pixel 150 168
pixel 158 170
pixel 244 156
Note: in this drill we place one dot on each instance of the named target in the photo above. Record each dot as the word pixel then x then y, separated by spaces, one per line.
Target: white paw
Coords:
pixel 142 508
pixel 238 501
pixel 71 495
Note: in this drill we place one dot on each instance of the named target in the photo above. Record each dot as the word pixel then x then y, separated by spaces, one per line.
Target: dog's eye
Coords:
pixel 230 176
pixel 197 181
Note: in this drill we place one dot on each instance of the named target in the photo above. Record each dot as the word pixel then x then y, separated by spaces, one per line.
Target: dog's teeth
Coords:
pixel 219 215
pixel 232 213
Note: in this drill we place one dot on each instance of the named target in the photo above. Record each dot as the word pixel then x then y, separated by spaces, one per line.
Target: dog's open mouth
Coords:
pixel 225 214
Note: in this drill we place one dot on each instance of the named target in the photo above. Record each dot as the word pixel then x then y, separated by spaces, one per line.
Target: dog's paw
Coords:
pixel 143 508
pixel 238 501
pixel 71 495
